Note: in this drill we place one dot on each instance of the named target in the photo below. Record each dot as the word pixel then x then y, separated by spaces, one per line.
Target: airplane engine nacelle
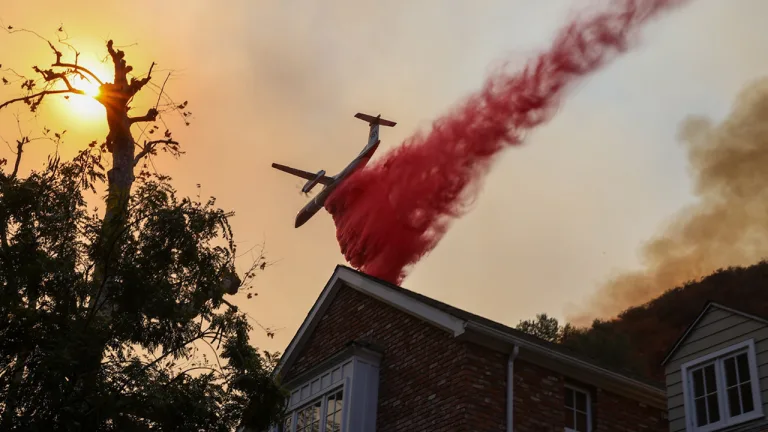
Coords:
pixel 311 183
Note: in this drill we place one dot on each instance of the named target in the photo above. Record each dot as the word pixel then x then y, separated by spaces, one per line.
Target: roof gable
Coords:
pixel 708 308
pixel 344 276
pixel 470 327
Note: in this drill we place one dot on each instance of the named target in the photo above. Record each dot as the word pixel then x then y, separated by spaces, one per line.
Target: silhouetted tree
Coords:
pixel 639 338
pixel 104 316
pixel 543 327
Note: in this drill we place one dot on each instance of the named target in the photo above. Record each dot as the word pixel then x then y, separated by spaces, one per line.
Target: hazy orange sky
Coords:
pixel 280 81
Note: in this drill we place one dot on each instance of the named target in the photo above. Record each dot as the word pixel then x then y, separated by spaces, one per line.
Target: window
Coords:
pixel 721 389
pixel 309 418
pixel 577 410
pixel 287 424
pixel 339 395
pixel 333 418
pixel 705 400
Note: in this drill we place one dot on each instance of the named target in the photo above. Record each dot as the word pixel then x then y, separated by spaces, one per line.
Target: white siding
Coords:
pixel 359 377
pixel 322 383
pixel 364 396
pixel 716 330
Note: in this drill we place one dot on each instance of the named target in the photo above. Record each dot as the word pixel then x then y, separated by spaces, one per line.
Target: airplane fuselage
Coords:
pixel 330 183
pixel 318 201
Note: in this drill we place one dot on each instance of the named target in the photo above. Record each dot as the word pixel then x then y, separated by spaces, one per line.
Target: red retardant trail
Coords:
pixel 391 213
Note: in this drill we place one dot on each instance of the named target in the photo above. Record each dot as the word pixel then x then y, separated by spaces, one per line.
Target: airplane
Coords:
pixel 331 183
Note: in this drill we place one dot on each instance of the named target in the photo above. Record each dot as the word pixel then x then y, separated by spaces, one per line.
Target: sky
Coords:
pixel 279 81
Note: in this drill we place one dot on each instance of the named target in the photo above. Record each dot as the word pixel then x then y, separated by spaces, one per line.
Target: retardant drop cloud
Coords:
pixel 394 211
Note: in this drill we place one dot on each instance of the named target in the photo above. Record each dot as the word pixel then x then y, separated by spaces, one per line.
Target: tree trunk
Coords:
pixel 114 97
pixel 120 180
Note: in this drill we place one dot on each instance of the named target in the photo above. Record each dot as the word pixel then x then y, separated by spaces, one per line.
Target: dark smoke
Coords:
pixel 393 212
pixel 728 226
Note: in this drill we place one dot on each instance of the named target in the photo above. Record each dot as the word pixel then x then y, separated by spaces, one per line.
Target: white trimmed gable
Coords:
pixel 722 357
pixel 346 277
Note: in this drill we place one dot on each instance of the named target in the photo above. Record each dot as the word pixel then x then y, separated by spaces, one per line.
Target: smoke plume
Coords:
pixel 391 213
pixel 727 226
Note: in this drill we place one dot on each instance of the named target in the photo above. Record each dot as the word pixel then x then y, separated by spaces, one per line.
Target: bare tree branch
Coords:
pixel 19 150
pixel 81 69
pixel 40 95
pixel 137 84
pixel 50 76
pixel 55 51
pixel 150 146
pixel 150 116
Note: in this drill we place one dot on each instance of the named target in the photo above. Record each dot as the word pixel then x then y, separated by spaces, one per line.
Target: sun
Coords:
pixel 84 107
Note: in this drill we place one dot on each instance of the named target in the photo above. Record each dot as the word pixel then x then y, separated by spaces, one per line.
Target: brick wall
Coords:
pixel 428 380
pixel 485 374
pixel 538 400
pixel 618 414
pixel 431 382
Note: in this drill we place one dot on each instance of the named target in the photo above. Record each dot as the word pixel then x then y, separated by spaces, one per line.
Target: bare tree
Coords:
pixel 116 97
pixel 191 288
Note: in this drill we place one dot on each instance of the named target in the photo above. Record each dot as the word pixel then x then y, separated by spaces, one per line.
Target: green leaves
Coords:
pixel 166 286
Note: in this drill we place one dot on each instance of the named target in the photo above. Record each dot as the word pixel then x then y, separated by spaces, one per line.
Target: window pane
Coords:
pixel 569 398
pixel 334 426
pixel 734 405
pixel 746 398
pixel 701 412
pixel 316 412
pixel 709 379
pixel 581 422
pixel 698 383
pixel 714 408
pixel 581 401
pixel 286 427
pixel 339 401
pixel 730 372
pixel 743 363
pixel 333 420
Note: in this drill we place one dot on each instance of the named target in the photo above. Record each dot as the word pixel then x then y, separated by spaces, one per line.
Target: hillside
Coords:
pixel 641 336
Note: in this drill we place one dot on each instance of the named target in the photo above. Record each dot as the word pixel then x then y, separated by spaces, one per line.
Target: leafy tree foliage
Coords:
pixel 543 327
pixel 639 338
pixel 119 321
pixel 168 304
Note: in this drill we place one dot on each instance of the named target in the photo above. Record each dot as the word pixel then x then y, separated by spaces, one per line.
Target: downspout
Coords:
pixel 511 388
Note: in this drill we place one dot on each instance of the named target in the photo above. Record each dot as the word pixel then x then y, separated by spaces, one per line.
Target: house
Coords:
pixel 372 356
pixel 717 373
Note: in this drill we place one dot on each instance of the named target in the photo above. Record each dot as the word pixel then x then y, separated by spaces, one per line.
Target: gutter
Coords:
pixel 648 392
pixel 511 388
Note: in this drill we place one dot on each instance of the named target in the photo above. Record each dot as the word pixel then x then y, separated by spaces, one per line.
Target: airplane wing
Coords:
pixel 324 180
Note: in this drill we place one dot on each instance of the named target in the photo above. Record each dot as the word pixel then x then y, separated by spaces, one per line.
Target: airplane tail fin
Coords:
pixel 375 120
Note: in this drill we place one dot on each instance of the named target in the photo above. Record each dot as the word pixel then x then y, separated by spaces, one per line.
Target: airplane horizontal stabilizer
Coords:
pixel 375 120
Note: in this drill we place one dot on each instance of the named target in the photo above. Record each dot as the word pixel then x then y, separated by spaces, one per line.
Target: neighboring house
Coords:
pixel 372 356
pixel 717 373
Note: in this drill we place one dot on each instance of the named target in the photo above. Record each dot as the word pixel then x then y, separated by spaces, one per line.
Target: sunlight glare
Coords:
pixel 85 107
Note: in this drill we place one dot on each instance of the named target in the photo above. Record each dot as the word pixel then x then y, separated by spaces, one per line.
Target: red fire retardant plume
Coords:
pixel 394 211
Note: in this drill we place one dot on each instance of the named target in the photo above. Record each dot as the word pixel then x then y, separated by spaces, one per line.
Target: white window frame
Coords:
pixel 330 391
pixel 589 405
pixel 717 359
